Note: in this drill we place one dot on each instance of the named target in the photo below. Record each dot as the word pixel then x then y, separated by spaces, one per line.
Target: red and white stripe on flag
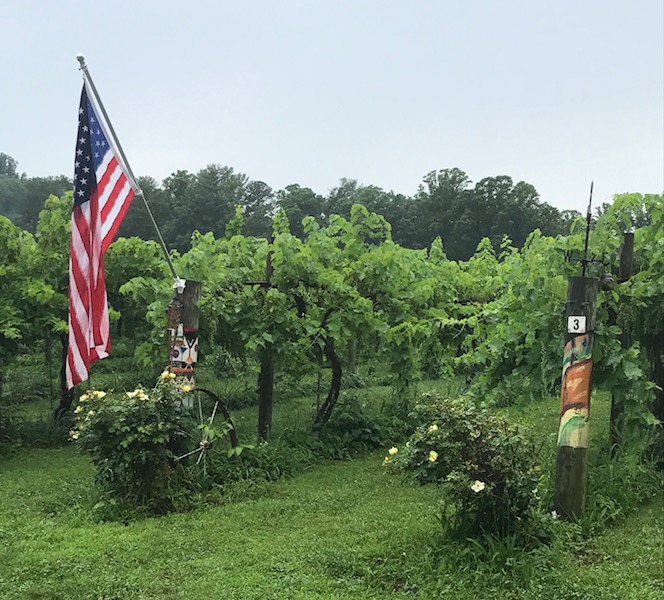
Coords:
pixel 103 191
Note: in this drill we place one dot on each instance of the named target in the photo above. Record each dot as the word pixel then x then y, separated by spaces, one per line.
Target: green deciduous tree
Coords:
pixel 8 165
pixel 300 202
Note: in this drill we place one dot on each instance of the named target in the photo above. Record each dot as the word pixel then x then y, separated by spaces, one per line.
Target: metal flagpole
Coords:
pixel 179 283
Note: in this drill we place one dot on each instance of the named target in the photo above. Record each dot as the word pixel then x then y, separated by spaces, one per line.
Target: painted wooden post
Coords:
pixel 183 322
pixel 571 465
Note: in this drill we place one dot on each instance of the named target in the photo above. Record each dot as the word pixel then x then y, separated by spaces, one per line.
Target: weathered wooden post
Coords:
pixel 66 395
pixel 626 257
pixel 617 402
pixel 267 358
pixel 571 464
pixel 266 375
pixel 265 394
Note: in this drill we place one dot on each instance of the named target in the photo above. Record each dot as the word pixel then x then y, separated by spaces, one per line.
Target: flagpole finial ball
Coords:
pixel 81 59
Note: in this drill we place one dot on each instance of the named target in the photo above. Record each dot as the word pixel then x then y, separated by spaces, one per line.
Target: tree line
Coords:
pixel 447 204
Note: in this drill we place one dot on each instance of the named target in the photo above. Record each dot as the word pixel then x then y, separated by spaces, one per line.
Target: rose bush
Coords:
pixel 134 439
pixel 485 465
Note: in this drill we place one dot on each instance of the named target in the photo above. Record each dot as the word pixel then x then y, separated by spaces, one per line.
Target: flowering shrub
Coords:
pixel 485 465
pixel 134 439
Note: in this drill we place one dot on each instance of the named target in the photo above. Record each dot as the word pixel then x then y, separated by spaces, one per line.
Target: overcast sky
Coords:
pixel 555 93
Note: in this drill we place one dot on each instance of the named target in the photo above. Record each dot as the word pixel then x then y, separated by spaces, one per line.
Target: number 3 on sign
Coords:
pixel 576 324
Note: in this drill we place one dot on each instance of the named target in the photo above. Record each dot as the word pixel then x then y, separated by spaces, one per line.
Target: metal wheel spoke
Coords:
pixel 202 432
pixel 199 449
pixel 214 413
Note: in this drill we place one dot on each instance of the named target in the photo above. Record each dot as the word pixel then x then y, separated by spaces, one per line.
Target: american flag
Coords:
pixel 103 190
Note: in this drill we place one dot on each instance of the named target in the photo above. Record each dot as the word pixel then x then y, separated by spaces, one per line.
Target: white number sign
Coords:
pixel 576 324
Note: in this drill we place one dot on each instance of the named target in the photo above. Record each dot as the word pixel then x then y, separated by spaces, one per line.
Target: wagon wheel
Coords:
pixel 205 407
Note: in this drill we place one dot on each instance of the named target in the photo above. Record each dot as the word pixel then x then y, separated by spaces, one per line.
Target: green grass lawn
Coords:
pixel 310 537
pixel 341 530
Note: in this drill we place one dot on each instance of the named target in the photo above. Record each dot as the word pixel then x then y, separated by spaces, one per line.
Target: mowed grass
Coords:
pixel 310 537
pixel 342 530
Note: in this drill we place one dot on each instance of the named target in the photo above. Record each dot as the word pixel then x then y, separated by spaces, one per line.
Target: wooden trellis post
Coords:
pixel 571 464
pixel 266 375
pixel 617 402
pixel 183 323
